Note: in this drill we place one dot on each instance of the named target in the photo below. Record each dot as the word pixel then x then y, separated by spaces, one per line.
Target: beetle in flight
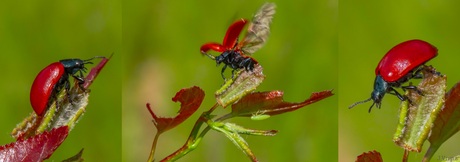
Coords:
pixel 235 54
pixel 231 51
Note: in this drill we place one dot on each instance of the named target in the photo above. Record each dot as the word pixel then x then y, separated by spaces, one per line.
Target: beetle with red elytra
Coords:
pixel 236 54
pixel 231 53
pixel 52 79
pixel 402 63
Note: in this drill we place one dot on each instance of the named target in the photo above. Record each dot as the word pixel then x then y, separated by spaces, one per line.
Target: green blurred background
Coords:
pixel 367 30
pixel 309 50
pixel 34 34
pixel 161 41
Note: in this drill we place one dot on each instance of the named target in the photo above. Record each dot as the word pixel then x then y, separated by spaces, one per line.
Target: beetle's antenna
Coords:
pixel 209 55
pixel 88 60
pixel 360 102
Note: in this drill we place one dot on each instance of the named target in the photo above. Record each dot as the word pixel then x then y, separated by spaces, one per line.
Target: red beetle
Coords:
pixel 52 79
pixel 232 55
pixel 400 64
pixel 235 54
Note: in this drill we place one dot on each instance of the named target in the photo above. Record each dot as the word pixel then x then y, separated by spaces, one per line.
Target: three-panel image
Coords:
pixel 301 81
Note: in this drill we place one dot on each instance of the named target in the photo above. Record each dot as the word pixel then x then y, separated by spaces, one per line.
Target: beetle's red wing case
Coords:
pixel 258 30
pixel 212 46
pixel 233 32
pixel 404 58
pixel 43 86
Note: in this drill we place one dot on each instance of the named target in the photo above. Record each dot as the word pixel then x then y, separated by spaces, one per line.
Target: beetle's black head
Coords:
pixel 380 88
pixel 72 66
pixel 221 58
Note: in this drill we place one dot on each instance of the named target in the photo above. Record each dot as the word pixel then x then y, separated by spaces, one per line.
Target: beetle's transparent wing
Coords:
pixel 258 30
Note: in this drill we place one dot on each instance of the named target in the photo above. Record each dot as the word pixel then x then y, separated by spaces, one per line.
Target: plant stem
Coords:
pixel 406 155
pixel 194 139
pixel 225 117
pixel 211 109
pixel 189 145
pixel 430 152
pixel 154 145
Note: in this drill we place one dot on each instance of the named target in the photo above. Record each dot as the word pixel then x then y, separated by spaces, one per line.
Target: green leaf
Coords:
pixel 232 132
pixel 241 130
pixel 417 119
pixel 244 83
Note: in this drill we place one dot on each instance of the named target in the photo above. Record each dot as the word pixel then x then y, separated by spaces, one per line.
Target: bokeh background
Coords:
pixel 34 34
pixel 367 30
pixel 309 50
pixel 161 41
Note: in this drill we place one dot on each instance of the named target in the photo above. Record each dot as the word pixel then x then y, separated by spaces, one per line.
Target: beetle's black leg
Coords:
pixel 80 80
pixel 242 63
pixel 251 65
pixel 397 94
pixel 418 73
pixel 401 97
pixel 81 73
pixel 233 73
pixel 247 64
pixel 418 76
pixel 222 72
pixel 67 90
pixel 413 88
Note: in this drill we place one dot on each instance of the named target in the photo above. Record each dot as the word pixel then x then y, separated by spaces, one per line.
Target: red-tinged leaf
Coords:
pixel 371 156
pixel 95 71
pixel 447 123
pixel 76 158
pixel 272 103
pixel 36 148
pixel 190 100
